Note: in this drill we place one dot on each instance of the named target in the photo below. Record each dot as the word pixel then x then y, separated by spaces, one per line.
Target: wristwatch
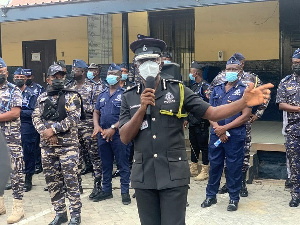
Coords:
pixel 113 127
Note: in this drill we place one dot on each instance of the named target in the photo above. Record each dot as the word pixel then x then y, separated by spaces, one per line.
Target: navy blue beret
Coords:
pixel 19 71
pixel 114 67
pixel 2 63
pixel 296 54
pixel 233 60
pixel 78 63
pixel 238 56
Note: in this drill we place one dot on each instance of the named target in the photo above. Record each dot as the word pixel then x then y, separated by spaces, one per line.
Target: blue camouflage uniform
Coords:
pixel 37 90
pixel 289 92
pixel 109 107
pixel 232 150
pixel 10 96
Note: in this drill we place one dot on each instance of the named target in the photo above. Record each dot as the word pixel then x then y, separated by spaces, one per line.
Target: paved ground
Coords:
pixel 267 204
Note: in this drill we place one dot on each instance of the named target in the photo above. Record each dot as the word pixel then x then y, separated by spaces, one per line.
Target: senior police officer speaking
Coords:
pixel 160 171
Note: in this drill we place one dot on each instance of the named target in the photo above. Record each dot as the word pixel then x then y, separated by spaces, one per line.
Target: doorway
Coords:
pixel 38 56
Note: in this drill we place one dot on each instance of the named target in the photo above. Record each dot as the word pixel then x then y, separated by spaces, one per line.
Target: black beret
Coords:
pixel 197 65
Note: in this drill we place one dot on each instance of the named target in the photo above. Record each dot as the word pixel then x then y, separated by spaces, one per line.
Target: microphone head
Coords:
pixel 150 82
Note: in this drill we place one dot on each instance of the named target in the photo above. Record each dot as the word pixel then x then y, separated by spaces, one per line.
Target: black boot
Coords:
pixel 116 174
pixel 208 202
pixel 87 169
pixel 232 206
pixel 97 188
pixel 8 186
pixel 288 183
pixel 102 196
pixel 38 169
pixel 294 202
pixel 75 220
pixel 244 191
pixel 28 182
pixel 59 219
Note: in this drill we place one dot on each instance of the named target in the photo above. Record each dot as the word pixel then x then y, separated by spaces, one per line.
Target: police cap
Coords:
pixel 238 56
pixel 94 66
pixel 197 65
pixel 2 63
pixel 54 69
pixel 27 72
pixel 124 65
pixel 78 63
pixel 146 47
pixel 19 71
pixel 233 60
pixel 296 54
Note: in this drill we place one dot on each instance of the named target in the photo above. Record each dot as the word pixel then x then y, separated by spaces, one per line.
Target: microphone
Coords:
pixel 150 83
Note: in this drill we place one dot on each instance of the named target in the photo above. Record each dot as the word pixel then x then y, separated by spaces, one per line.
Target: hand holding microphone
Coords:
pixel 148 97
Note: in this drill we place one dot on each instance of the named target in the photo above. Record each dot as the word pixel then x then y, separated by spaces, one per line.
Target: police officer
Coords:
pixel 124 82
pixel 232 133
pixel 160 172
pixel 288 98
pixel 246 78
pixel 106 124
pixel 85 127
pixel 198 129
pixel 28 133
pixel 37 89
pixel 10 109
pixel 56 117
pixel 93 76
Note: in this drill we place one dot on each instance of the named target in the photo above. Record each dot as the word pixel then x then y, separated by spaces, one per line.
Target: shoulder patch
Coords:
pixel 173 81
pixel 286 78
pixel 131 88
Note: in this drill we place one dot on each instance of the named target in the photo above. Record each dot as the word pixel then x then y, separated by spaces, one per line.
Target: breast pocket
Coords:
pixel 178 164
pixel 137 172
pixel 169 111
pixel 293 96
pixel 116 106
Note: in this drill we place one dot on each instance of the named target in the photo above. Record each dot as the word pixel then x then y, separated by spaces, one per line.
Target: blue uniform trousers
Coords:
pixel 29 148
pixel 107 152
pixel 233 151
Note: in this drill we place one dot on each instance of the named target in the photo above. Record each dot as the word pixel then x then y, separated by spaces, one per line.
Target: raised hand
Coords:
pixel 257 96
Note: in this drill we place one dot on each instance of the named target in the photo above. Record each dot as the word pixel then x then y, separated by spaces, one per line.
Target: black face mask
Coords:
pixel 19 82
pixel 78 77
pixel 28 82
pixel 296 69
pixel 2 78
pixel 58 84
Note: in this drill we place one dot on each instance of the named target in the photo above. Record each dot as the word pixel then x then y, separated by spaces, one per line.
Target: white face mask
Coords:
pixel 149 68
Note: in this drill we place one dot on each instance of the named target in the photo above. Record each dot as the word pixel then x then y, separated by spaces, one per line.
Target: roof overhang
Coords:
pixel 88 8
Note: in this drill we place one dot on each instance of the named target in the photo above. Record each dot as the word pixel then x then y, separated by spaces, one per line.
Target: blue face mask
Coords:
pixel 167 61
pixel 231 76
pixel 90 75
pixel 124 76
pixel 111 79
pixel 191 77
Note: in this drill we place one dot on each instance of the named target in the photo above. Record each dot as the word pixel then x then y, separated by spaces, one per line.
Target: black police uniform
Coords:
pixel 160 171
pixel 199 129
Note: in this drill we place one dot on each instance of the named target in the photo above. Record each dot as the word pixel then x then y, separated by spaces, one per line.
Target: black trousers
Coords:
pixel 162 207
pixel 199 140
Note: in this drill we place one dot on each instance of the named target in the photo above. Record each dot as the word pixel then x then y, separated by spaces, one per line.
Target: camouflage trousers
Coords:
pixel 16 175
pixel 89 147
pixel 246 163
pixel 60 166
pixel 293 154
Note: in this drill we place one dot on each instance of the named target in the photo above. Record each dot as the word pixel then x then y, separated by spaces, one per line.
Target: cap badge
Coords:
pixel 144 48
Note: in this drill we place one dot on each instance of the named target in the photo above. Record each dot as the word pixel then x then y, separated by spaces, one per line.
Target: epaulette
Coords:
pixel 286 78
pixel 10 85
pixel 173 80
pixel 131 88
pixel 39 86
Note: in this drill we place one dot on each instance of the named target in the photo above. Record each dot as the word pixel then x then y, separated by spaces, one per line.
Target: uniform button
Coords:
pixel 170 110
pixel 179 158
pixel 134 160
pixel 155 155
pixel 154 136
pixel 153 119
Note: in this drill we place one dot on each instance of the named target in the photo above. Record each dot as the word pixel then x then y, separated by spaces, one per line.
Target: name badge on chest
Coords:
pixel 144 125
